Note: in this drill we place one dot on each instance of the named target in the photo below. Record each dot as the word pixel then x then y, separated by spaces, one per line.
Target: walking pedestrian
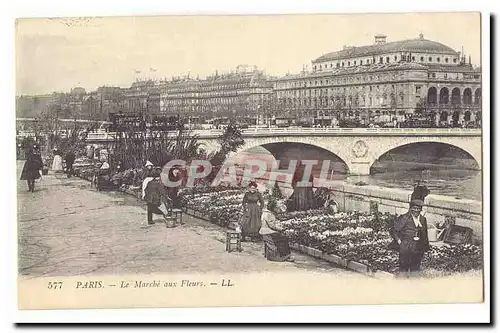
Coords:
pixel 410 233
pixel 32 167
pixel 155 194
pixel 57 162
pixel 69 160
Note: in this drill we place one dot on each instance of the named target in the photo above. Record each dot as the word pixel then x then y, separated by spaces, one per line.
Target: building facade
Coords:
pixel 384 82
pixel 180 97
pixel 240 94
pixel 143 98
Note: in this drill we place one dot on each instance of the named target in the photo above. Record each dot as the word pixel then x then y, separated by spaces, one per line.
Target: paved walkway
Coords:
pixel 67 228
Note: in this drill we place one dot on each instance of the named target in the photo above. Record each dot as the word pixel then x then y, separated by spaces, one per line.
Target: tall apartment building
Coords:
pixel 240 94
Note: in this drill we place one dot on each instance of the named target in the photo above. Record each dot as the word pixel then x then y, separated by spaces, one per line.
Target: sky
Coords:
pixel 59 54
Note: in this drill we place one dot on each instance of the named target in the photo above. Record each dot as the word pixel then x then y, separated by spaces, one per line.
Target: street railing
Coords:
pixel 249 132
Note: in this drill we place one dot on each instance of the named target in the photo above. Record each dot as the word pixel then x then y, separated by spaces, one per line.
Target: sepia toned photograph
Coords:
pixel 249 160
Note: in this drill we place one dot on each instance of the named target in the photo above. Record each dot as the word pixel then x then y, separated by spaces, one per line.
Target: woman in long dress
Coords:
pixel 32 167
pixel 276 244
pixel 57 162
pixel 252 212
pixel 302 196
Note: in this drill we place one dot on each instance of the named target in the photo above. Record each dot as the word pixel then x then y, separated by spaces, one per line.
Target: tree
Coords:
pixel 230 141
pixel 132 147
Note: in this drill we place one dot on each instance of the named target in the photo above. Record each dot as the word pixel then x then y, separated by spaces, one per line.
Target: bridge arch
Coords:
pixel 341 153
pixel 359 152
pixel 429 151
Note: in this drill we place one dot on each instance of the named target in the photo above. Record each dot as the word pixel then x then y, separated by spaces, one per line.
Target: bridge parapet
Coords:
pixel 359 148
pixel 264 132
pixel 364 131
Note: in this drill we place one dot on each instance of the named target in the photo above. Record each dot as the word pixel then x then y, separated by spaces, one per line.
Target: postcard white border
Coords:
pixel 454 313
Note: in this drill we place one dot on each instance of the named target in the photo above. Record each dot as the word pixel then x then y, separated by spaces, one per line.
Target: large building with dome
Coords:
pixel 384 82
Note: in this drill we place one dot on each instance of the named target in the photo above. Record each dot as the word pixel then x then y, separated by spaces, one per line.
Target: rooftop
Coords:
pixel 408 45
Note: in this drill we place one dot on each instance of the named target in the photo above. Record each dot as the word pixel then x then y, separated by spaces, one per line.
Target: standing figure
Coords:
pixel 276 244
pixel 302 196
pixel 148 169
pixel 148 176
pixel 155 194
pixel 69 159
pixel 174 176
pixel 57 162
pixel 252 212
pixel 32 167
pixel 410 233
pixel 420 191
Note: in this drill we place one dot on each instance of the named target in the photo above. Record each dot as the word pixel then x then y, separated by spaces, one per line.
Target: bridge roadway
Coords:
pixel 300 131
pixel 359 148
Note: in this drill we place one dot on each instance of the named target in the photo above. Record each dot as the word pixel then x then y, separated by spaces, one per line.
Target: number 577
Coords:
pixel 55 285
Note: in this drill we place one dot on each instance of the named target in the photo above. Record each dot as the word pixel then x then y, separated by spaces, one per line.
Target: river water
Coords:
pixel 441 179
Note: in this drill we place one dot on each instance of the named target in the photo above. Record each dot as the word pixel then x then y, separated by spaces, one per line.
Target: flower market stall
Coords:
pixel 355 240
pixel 220 205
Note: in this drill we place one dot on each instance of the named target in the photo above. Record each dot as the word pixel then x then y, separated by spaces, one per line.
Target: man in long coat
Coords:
pixel 155 194
pixel 32 167
pixel 410 234
pixel 69 159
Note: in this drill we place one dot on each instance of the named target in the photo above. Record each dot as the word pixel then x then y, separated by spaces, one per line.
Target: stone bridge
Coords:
pixel 358 148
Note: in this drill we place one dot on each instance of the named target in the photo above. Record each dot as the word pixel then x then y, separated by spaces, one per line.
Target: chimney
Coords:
pixel 380 39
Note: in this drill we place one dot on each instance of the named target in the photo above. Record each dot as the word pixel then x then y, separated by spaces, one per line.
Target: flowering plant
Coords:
pixel 356 236
pixel 454 258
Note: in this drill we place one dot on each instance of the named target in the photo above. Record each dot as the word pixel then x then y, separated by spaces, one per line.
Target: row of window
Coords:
pixel 210 87
pixel 387 59
pixel 181 94
pixel 205 101
pixel 321 92
pixel 341 101
pixel 343 80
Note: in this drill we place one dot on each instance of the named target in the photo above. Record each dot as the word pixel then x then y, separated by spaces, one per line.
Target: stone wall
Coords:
pixel 467 213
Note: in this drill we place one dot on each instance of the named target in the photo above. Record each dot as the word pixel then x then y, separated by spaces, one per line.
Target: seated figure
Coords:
pixel 275 242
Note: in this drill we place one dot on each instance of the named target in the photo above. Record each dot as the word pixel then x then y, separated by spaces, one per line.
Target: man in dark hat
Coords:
pixel 154 194
pixel 410 233
pixel 32 167
pixel 420 191
pixel 69 159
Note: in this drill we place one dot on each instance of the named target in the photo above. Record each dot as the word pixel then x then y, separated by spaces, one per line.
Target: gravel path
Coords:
pixel 67 228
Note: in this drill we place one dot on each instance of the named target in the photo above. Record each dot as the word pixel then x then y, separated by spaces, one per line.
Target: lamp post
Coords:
pixel 36 128
pixel 258 114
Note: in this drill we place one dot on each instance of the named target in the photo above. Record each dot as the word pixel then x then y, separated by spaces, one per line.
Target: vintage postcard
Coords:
pixel 260 160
